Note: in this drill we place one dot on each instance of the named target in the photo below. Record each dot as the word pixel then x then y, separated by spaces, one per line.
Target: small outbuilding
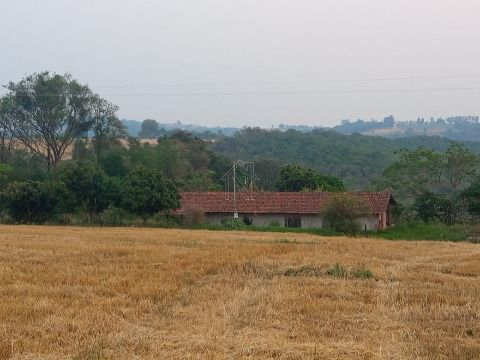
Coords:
pixel 286 209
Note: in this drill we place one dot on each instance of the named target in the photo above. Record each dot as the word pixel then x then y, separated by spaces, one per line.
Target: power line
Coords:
pixel 277 93
pixel 301 92
pixel 291 82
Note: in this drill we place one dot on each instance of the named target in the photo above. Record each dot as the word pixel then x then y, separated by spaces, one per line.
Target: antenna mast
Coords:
pixel 241 175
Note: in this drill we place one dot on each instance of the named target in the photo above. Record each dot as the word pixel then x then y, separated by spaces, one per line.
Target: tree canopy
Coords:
pixel 46 112
pixel 298 178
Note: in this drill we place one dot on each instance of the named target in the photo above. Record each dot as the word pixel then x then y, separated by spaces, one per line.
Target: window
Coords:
pixel 247 220
pixel 293 221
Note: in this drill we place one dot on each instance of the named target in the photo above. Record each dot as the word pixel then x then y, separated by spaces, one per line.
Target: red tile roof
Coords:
pixel 276 202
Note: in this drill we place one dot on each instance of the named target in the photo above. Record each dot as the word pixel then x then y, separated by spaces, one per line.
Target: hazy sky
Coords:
pixel 255 62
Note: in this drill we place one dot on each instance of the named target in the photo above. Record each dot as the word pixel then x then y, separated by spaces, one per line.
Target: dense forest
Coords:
pixel 357 159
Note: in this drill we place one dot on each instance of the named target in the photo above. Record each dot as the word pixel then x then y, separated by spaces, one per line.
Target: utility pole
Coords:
pixel 242 174
pixel 235 212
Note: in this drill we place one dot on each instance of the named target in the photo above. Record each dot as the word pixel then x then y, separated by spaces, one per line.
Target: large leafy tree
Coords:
pixel 146 192
pixel 432 183
pixel 423 170
pixel 471 195
pixel 47 112
pixel 149 129
pixel 106 126
pixel 298 178
pixel 88 187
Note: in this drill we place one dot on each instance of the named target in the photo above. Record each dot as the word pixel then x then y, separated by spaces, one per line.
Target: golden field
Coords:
pixel 123 293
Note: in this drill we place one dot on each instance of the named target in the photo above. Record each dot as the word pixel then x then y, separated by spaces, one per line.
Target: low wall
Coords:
pixel 308 221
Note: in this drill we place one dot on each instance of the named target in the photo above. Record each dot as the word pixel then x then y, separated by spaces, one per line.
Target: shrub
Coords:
pixel 112 217
pixel 342 213
pixel 361 273
pixel 433 207
pixel 337 271
pixel 234 224
pixel 193 215
pixel 88 187
pixel 30 201
pixel 146 192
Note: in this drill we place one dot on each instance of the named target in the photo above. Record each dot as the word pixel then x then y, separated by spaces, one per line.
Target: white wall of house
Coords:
pixel 308 221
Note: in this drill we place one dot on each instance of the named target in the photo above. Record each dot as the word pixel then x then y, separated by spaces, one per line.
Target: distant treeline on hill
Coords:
pixel 357 159
pixel 459 128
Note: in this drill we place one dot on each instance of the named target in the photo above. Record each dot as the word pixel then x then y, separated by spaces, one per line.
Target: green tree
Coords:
pixel 6 143
pixel 88 186
pixel 343 212
pixel 472 197
pixel 149 129
pixel 115 162
pixel 30 201
pixel 437 207
pixel 146 192
pixel 47 112
pixel 297 178
pixel 106 126
pixel 423 170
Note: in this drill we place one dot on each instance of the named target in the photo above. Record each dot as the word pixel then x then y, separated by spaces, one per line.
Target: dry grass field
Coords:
pixel 108 293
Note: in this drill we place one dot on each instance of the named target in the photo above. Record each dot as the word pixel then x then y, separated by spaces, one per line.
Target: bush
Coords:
pixel 30 201
pixel 342 213
pixel 437 207
pixel 112 217
pixel 146 192
pixel 337 271
pixel 362 273
pixel 193 215
pixel 88 187
pixel 234 224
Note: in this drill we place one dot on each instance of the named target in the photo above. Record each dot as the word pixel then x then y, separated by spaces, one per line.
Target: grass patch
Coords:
pixel 337 271
pixel 305 270
pixel 273 229
pixel 423 232
pixel 361 273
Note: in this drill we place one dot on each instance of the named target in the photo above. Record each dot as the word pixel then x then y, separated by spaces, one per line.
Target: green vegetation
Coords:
pixel 432 231
pixel 361 273
pixel 342 213
pixel 337 271
pixel 297 178
pixel 65 158
pixel 358 160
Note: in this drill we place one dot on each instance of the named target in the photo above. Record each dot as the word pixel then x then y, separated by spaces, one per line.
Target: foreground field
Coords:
pixel 102 293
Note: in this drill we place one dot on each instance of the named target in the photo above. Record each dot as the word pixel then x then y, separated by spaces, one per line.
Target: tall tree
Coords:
pixel 106 126
pixel 47 112
pixel 146 192
pixel 149 129
pixel 298 178
pixel 88 186
pixel 6 144
pixel 423 170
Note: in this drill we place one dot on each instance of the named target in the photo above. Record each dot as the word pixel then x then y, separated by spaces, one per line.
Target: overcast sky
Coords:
pixel 255 62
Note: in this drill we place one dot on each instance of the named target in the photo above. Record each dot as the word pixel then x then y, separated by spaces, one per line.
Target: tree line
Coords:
pixel 65 156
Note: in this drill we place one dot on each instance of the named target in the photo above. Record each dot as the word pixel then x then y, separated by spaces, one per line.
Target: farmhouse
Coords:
pixel 288 209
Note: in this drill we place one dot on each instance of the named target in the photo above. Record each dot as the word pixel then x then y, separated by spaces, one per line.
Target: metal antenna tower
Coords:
pixel 240 177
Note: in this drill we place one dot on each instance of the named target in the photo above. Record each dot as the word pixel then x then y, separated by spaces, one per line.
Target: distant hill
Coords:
pixel 461 128
pixel 357 159
pixel 134 126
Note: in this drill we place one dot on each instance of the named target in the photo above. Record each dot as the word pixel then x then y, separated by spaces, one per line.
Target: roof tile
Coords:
pixel 276 202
